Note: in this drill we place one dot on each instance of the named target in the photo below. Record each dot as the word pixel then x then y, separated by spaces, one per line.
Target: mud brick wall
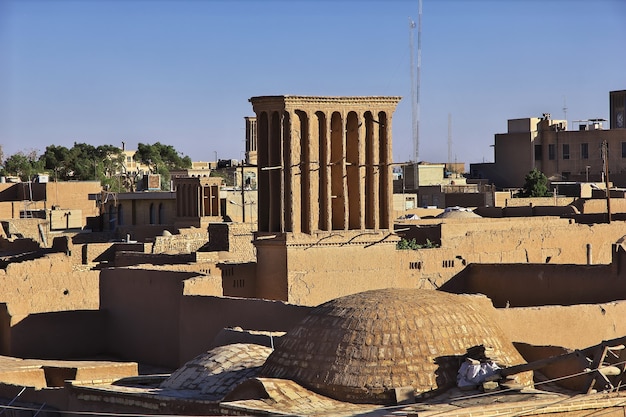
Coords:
pixel 183 243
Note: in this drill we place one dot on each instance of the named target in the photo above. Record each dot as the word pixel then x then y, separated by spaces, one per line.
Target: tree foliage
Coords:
pixel 83 162
pixel 405 244
pixel 23 164
pixel 161 159
pixel 535 184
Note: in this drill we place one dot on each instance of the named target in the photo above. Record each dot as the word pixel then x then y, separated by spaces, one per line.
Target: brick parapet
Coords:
pixel 182 243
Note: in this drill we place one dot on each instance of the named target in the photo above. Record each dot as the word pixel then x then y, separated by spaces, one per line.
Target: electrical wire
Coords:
pixel 387 408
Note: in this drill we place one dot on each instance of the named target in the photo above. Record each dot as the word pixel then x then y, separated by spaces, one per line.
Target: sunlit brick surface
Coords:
pixel 218 371
pixel 360 347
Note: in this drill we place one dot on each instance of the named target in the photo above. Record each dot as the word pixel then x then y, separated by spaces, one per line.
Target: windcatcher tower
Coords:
pixel 325 178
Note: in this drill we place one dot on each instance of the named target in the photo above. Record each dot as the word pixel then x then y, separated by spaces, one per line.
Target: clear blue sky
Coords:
pixel 181 72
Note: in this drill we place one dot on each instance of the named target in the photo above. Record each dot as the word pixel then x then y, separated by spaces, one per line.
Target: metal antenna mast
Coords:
pixel 565 109
pixel 413 90
pixel 415 80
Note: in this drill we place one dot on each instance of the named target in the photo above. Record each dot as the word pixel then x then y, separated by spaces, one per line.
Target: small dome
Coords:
pixel 360 347
pixel 457 213
pixel 219 370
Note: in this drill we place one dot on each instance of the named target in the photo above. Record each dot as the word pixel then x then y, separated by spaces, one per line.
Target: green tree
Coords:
pixel 24 165
pixel 83 162
pixel 535 184
pixel 161 159
pixel 56 160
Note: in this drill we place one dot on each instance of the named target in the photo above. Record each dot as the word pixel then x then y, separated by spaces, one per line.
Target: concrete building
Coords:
pixel 561 154
pixel 132 166
pixel 617 108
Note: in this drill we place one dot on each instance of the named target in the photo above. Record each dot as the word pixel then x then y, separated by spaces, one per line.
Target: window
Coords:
pixel 551 152
pixel 584 151
pixel 128 159
pixel 566 151
pixel 623 149
pixel 537 152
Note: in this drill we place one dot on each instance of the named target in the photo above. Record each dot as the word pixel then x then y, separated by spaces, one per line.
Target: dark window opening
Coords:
pixel 584 150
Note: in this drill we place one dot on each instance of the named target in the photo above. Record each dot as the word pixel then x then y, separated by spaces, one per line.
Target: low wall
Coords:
pixel 573 327
pixel 19 245
pixel 182 243
pixel 152 322
pixel 203 318
pixel 29 228
pixel 233 238
pixel 143 233
pixel 48 284
pixel 123 258
pixel 539 201
pixel 143 306
pixel 59 335
pixel 238 279
pixel 523 285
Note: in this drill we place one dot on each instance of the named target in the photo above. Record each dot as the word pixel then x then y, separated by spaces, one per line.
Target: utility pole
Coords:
pixel 450 142
pixel 605 165
pixel 243 197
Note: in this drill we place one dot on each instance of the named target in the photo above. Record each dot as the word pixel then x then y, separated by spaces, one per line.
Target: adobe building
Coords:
pixel 198 200
pixel 324 181
pixel 251 140
pixel 37 199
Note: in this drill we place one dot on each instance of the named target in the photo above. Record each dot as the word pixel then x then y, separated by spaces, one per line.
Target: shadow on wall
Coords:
pixel 527 285
pixel 58 335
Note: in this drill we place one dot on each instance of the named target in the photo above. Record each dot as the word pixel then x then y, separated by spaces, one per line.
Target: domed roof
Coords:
pixel 360 347
pixel 457 213
pixel 219 370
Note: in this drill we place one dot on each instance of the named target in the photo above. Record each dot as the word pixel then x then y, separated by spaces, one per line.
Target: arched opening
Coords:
pixel 337 165
pixel 371 173
pixel 323 172
pixel 284 195
pixel 352 171
pixel 274 171
pixel 161 214
pixel 264 175
pixel 385 171
pixel 305 172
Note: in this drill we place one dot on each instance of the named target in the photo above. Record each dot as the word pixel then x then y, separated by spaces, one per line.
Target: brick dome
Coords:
pixel 218 371
pixel 360 347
